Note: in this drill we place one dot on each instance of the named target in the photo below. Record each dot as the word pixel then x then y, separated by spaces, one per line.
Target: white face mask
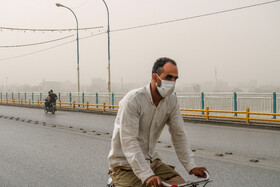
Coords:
pixel 166 88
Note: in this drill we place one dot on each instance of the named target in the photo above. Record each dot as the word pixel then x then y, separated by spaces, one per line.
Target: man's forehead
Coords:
pixel 169 67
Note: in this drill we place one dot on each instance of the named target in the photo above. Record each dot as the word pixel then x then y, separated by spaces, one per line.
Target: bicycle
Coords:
pixel 203 182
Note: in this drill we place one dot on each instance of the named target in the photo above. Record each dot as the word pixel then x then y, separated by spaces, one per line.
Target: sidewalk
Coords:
pixel 266 125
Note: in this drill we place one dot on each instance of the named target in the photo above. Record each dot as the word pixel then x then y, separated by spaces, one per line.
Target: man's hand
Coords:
pixel 153 181
pixel 199 172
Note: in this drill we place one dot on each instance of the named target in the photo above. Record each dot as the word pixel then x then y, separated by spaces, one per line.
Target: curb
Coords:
pixel 233 123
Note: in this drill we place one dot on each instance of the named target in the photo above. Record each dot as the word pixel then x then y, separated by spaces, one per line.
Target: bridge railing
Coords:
pixel 244 115
pixel 204 113
pixel 59 104
pixel 257 102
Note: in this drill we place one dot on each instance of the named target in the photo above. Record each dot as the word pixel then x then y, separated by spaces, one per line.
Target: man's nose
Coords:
pixel 173 79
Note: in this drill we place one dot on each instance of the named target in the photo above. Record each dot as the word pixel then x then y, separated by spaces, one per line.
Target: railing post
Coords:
pixel 202 102
pixel 83 99
pixel 87 106
pixel 29 102
pixel 70 98
pixel 74 105
pixel 25 97
pixel 274 104
pixel 207 113
pixel 7 101
pixel 21 102
pixel 38 103
pixel 247 115
pixel 14 101
pixel 32 96
pixel 59 103
pixel 96 102
pixel 235 103
pixel 113 99
pixel 104 109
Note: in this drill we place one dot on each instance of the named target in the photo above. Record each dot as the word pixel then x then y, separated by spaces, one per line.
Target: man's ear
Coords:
pixel 154 77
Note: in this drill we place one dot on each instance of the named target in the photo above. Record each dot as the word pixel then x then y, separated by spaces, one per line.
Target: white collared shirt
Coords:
pixel 137 128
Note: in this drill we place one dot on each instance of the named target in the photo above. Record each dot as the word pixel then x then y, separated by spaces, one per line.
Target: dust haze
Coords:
pixel 232 51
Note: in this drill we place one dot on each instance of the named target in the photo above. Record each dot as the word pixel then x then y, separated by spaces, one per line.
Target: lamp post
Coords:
pixel 78 68
pixel 108 33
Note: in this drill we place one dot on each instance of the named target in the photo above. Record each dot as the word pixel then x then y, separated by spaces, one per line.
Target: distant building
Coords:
pixel 57 86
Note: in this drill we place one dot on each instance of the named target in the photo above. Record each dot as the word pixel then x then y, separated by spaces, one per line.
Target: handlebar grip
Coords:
pixel 207 175
pixel 202 180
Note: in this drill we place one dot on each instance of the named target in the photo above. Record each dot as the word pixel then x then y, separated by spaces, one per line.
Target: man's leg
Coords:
pixel 125 178
pixel 48 103
pixel 167 173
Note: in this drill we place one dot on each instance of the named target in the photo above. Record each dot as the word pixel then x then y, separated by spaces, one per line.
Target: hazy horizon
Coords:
pixel 241 46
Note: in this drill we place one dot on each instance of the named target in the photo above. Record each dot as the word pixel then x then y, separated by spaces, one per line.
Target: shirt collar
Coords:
pixel 148 90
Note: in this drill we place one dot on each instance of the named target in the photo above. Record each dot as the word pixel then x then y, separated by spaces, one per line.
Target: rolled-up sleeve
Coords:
pixel 129 130
pixel 179 139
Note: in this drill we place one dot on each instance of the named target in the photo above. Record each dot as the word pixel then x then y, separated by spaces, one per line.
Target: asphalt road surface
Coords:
pixel 38 149
pixel 243 141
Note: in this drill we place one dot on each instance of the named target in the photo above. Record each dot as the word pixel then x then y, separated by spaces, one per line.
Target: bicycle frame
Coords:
pixel 191 184
pixel 203 182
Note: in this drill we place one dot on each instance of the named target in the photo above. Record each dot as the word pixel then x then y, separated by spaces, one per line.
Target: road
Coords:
pixel 34 153
pixel 248 142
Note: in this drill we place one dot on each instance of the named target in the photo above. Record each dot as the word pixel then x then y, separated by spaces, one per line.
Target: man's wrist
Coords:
pixel 145 182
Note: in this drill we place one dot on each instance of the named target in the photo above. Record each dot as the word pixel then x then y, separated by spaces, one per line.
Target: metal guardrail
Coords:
pixel 103 107
pixel 247 113
pixel 86 106
pixel 230 101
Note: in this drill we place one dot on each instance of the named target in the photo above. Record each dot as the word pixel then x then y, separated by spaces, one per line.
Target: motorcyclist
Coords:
pixel 46 100
pixel 51 98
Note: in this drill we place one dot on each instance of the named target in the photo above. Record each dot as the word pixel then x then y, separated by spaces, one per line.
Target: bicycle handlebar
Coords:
pixel 188 183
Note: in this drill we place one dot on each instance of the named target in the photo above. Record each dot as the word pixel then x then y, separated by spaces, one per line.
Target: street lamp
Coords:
pixel 78 68
pixel 108 33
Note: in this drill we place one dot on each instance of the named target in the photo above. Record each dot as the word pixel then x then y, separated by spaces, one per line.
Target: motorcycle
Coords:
pixel 51 108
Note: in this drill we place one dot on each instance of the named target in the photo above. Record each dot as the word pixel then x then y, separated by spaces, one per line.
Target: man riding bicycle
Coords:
pixel 142 115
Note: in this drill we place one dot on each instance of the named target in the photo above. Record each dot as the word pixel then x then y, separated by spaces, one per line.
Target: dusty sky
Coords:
pixel 243 45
